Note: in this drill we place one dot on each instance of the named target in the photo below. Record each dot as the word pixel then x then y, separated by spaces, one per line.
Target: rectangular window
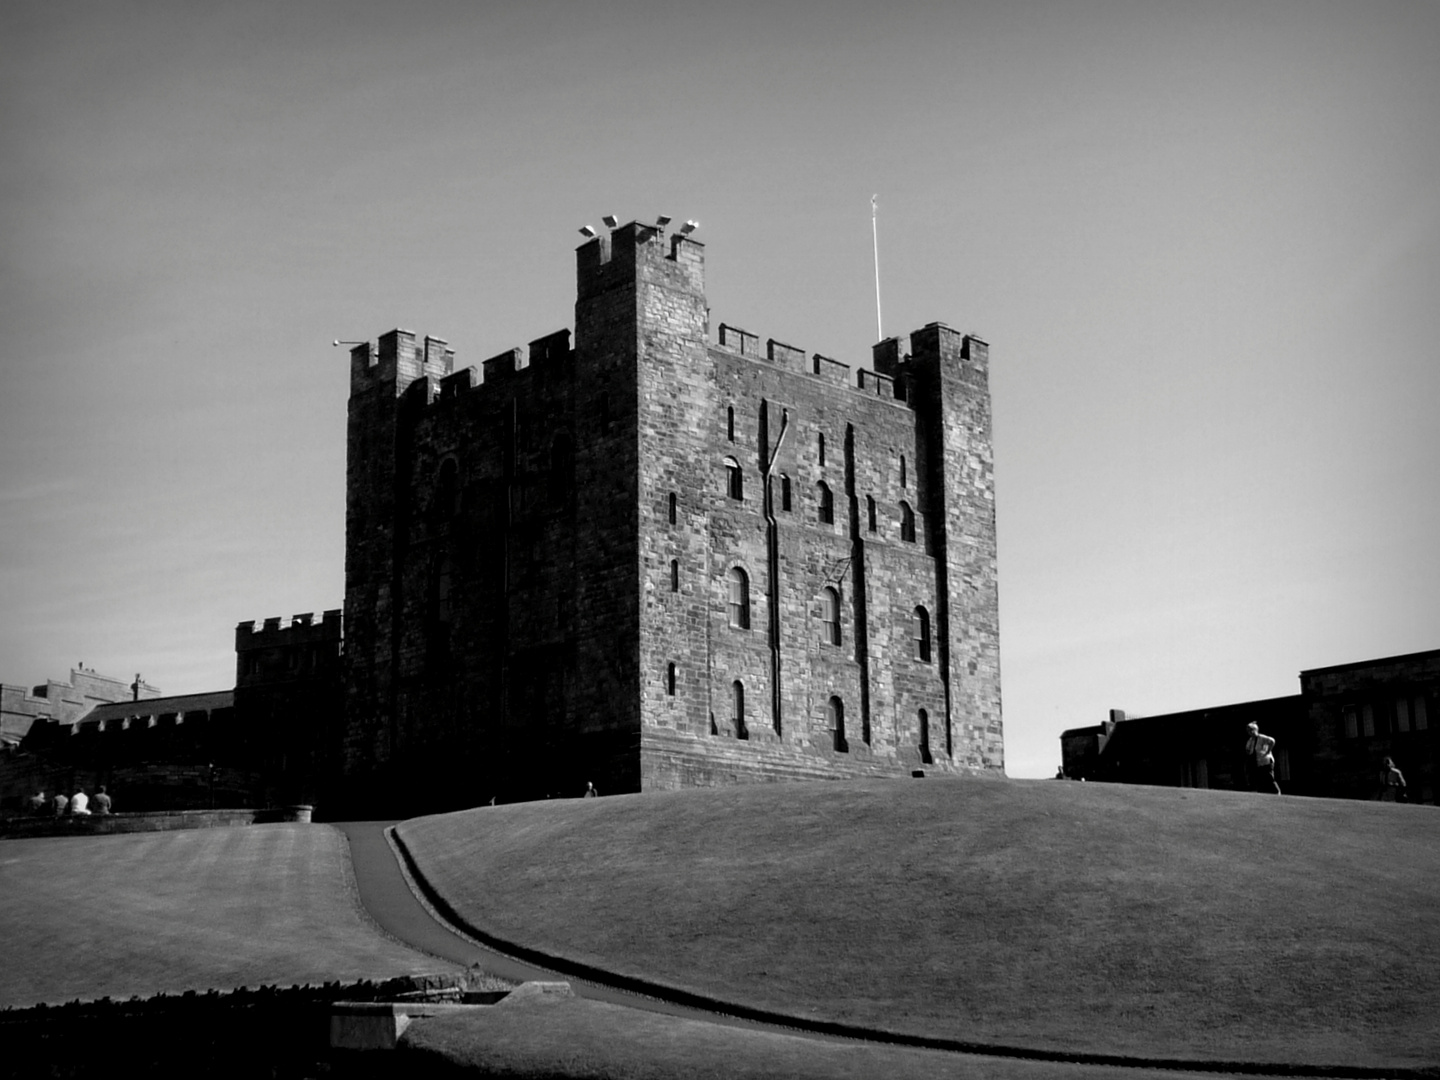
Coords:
pixel 1402 714
pixel 1367 714
pixel 1422 722
pixel 1352 723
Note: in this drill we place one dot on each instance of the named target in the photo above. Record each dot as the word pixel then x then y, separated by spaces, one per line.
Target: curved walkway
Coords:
pixel 387 895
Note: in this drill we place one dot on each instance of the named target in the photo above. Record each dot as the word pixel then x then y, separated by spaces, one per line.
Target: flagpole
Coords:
pixel 875 238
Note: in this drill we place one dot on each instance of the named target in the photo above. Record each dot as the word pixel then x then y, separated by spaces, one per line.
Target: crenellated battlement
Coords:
pixel 604 262
pixel 546 357
pixel 277 651
pixel 302 629
pixel 892 377
pixel 397 358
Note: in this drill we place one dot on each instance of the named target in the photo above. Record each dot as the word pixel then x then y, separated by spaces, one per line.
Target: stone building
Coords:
pixel 64 702
pixel 273 741
pixel 653 559
pixel 1331 737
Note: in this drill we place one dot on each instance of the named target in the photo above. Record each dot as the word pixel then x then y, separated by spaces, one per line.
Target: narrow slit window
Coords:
pixel 820 447
pixel 903 478
pixel 924 720
pixel 670 679
pixel 730 423
pixel 825 504
pixel 737 697
pixel 674 508
pixel 870 512
pixel 835 719
pixel 784 493
pixel 674 575
pixel 920 633
pixel 830 616
pixel 739 599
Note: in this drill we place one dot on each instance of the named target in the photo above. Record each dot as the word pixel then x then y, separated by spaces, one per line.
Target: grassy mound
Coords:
pixel 118 916
pixel 1151 922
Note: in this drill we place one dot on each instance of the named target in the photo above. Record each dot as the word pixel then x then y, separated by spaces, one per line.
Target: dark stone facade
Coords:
pixel 1331 737
pixel 560 567
pixel 289 695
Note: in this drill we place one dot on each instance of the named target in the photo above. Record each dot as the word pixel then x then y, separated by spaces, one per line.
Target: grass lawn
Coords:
pixel 564 1038
pixel 87 917
pixel 1153 922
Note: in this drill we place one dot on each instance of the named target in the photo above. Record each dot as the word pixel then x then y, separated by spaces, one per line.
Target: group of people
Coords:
pixel 1261 749
pixel 77 805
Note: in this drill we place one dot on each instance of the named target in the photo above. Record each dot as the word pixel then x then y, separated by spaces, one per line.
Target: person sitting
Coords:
pixel 37 803
pixel 102 801
pixel 60 803
pixel 80 803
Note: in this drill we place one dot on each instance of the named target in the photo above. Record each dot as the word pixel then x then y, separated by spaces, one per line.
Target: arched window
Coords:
pixel 830 616
pixel 674 513
pixel 447 495
pixel 907 523
pixel 670 679
pixel 674 575
pixel 784 493
pixel 562 468
pixel 734 479
pixel 870 512
pixel 826 501
pixel 737 701
pixel 739 599
pixel 730 423
pixel 820 447
pixel 902 470
pixel 835 718
pixel 924 719
pixel 920 634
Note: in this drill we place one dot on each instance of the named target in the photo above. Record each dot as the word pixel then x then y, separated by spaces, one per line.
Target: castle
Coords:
pixel 647 559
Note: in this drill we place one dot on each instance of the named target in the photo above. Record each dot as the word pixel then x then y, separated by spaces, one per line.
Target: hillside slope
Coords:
pixel 1152 922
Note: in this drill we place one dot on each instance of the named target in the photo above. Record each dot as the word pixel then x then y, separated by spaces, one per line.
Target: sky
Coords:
pixel 1202 240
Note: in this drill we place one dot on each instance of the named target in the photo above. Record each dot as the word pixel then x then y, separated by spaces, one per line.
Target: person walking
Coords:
pixel 1392 782
pixel 1261 750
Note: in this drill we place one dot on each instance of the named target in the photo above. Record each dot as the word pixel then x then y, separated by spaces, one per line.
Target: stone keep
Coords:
pixel 656 560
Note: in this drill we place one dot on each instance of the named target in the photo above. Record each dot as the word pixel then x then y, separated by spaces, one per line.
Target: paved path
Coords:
pixel 387 896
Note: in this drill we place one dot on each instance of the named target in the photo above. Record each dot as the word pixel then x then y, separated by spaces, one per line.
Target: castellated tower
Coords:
pixel 654 559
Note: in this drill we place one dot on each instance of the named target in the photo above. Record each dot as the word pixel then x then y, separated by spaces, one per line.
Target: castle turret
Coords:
pixel 383 375
pixel 951 397
pixel 642 387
